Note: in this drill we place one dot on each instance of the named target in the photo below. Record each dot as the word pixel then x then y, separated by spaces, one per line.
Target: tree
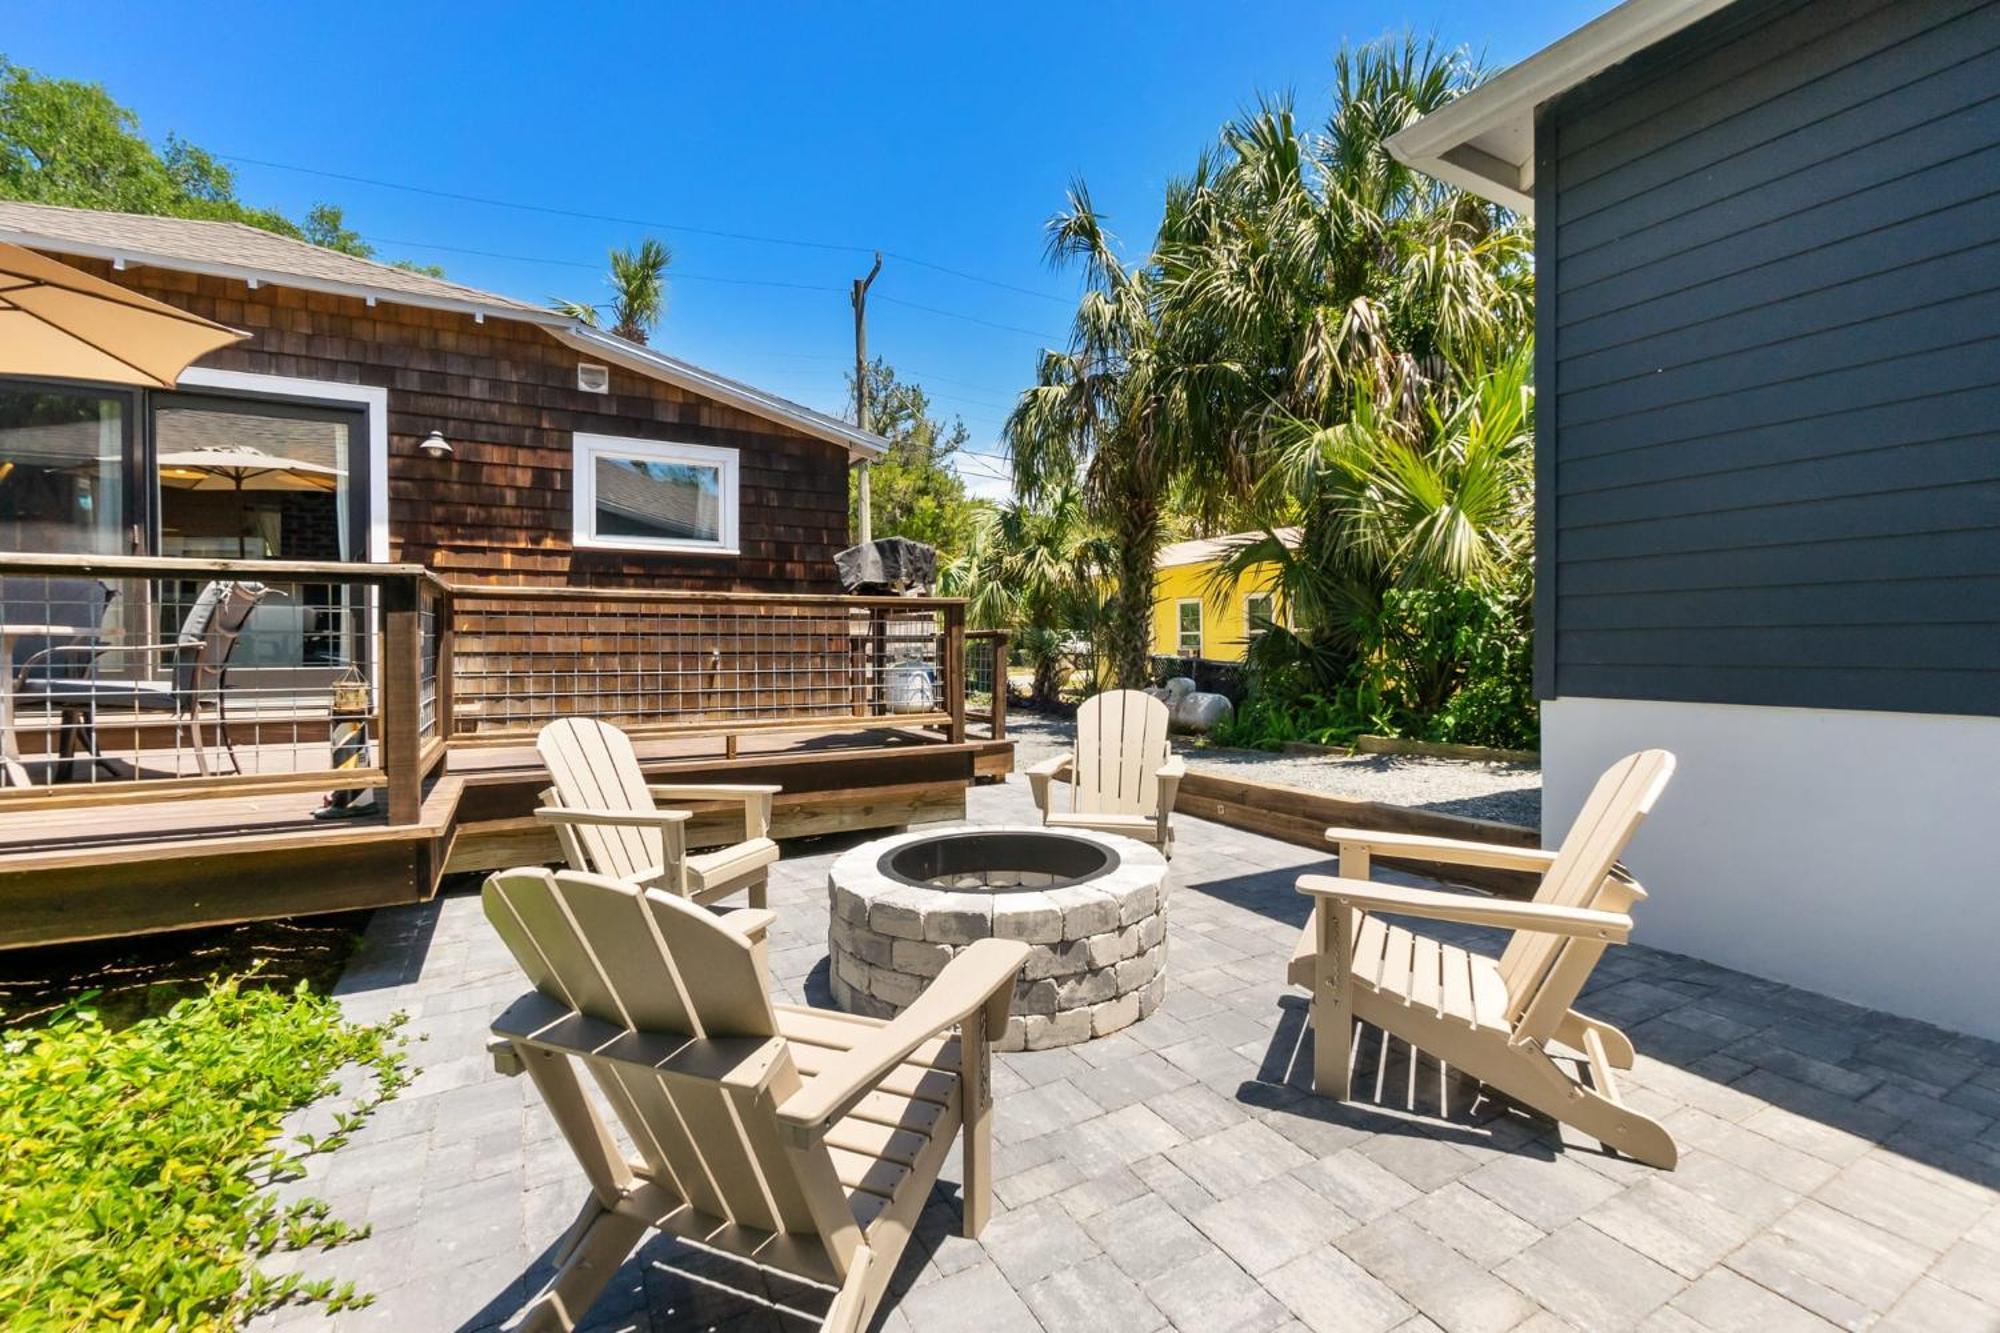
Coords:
pixel 914 492
pixel 1038 568
pixel 326 225
pixel 69 143
pixel 639 292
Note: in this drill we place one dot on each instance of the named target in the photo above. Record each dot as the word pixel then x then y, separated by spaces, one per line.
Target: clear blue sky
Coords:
pixel 945 133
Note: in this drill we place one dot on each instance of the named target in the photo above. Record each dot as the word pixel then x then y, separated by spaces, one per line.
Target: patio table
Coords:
pixel 14 773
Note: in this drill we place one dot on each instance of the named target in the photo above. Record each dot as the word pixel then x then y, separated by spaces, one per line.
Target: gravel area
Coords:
pixel 1509 793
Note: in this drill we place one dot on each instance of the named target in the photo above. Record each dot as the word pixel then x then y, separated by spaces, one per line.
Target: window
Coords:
pixel 647 495
pixel 63 471
pixel 1188 627
pixel 1259 614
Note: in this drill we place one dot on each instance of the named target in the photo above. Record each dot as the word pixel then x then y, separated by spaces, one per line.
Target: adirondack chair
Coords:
pixel 801 1140
pixel 605 817
pixel 1122 774
pixel 1492 1020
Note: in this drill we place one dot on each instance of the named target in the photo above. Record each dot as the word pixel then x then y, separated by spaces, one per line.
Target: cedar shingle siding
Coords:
pixel 1770 363
pixel 505 395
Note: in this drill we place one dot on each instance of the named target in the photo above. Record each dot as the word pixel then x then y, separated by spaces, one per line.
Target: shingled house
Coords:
pixel 574 456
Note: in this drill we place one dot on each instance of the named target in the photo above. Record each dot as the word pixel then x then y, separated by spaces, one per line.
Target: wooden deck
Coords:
pixel 122 869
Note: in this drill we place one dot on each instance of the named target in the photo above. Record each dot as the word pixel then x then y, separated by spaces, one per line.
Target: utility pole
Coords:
pixel 860 301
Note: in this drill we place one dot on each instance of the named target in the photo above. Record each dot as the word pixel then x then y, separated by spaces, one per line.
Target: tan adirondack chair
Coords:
pixel 1122 774
pixel 800 1140
pixel 1492 1020
pixel 605 817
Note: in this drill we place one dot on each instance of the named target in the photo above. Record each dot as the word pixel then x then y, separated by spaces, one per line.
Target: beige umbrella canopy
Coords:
pixel 57 322
pixel 241 468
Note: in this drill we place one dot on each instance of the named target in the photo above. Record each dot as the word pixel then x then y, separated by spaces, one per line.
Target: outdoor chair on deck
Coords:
pixel 604 812
pixel 64 677
pixel 1490 1020
pixel 1123 773
pixel 798 1140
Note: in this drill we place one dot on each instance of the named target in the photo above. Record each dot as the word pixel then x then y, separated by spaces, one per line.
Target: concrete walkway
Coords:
pixel 1839 1167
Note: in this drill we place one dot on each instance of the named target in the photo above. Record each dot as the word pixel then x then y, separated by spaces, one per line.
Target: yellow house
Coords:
pixel 1193 617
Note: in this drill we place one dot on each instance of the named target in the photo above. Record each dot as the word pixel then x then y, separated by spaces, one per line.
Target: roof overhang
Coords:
pixel 633 356
pixel 644 360
pixel 1485 141
pixel 125 256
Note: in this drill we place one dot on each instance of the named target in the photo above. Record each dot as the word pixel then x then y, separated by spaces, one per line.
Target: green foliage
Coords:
pixel 132 1161
pixel 67 142
pixel 1451 662
pixel 638 280
pixel 913 490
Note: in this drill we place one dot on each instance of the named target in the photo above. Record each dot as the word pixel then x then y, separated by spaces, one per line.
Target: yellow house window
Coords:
pixel 1259 614
pixel 1188 626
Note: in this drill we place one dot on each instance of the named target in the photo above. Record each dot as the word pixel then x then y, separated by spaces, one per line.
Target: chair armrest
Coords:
pixel 1368 896
pixel 982 976
pixel 750 922
pixel 755 798
pixel 612 818
pixel 1040 775
pixel 1454 851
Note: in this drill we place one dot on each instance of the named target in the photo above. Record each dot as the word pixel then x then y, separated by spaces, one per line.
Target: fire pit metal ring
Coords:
pixel 1091 907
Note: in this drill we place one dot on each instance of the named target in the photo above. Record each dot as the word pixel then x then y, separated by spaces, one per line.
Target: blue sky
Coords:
pixel 937 133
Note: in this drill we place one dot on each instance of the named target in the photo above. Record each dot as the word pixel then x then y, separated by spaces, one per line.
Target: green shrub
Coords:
pixel 132 1161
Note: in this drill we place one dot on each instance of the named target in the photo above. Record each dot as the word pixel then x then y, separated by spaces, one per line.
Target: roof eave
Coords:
pixel 1447 143
pixel 646 361
pixel 129 256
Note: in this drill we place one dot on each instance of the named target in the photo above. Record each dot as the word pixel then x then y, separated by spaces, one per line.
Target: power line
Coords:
pixel 676 275
pixel 550 210
pixel 971 319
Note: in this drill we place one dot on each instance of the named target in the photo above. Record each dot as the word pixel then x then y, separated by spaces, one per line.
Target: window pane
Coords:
pixel 237 482
pixel 62 473
pixel 1190 627
pixel 663 501
pixel 1257 610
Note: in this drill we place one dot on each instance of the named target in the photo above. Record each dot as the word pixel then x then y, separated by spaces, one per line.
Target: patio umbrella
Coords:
pixel 57 322
pixel 240 468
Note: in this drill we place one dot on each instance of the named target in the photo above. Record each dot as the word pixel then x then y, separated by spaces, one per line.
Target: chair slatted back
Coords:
pixel 1121 744
pixel 594 767
pixel 1544 972
pixel 656 965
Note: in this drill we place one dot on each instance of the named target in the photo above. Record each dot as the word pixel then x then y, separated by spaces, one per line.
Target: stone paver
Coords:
pixel 1838 1166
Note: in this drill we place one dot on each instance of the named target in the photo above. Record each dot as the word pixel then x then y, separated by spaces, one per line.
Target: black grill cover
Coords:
pixel 889 565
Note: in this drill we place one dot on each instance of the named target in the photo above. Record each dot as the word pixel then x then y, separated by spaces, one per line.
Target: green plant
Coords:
pixel 133 1161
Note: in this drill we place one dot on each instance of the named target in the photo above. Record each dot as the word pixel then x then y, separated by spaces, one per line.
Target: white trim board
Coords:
pixel 1841 851
pixel 1485 141
pixel 373 398
pixel 585 448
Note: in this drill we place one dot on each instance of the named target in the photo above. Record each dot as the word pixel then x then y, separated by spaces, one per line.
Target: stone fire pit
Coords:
pixel 1092 908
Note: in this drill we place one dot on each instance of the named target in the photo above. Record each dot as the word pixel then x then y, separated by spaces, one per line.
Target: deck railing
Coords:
pixel 986 680
pixel 135 678
pixel 128 685
pixel 686 662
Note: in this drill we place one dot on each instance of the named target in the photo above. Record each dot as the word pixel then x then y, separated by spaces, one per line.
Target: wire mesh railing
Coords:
pixel 657 662
pixel 154 678
pixel 986 680
pixel 142 679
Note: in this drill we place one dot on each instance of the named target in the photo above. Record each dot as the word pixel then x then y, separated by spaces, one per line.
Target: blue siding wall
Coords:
pixel 1769 255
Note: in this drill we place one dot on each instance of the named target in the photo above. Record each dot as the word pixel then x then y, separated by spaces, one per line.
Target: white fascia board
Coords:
pixel 1484 141
pixel 127 257
pixel 860 445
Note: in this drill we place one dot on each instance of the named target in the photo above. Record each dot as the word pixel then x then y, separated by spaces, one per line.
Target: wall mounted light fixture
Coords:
pixel 435 445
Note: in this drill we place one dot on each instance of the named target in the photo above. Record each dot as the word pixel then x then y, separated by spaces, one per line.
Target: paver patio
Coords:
pixel 1838 1166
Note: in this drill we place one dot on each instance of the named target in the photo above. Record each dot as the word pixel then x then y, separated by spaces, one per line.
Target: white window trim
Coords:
pixel 370 396
pixel 1250 616
pixel 584 452
pixel 1200 625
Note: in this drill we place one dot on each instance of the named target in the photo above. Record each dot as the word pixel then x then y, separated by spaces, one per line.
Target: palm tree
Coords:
pixel 639 287
pixel 1036 568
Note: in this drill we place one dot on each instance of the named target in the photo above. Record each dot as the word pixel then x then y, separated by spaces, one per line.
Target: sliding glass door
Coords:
pixel 66 469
